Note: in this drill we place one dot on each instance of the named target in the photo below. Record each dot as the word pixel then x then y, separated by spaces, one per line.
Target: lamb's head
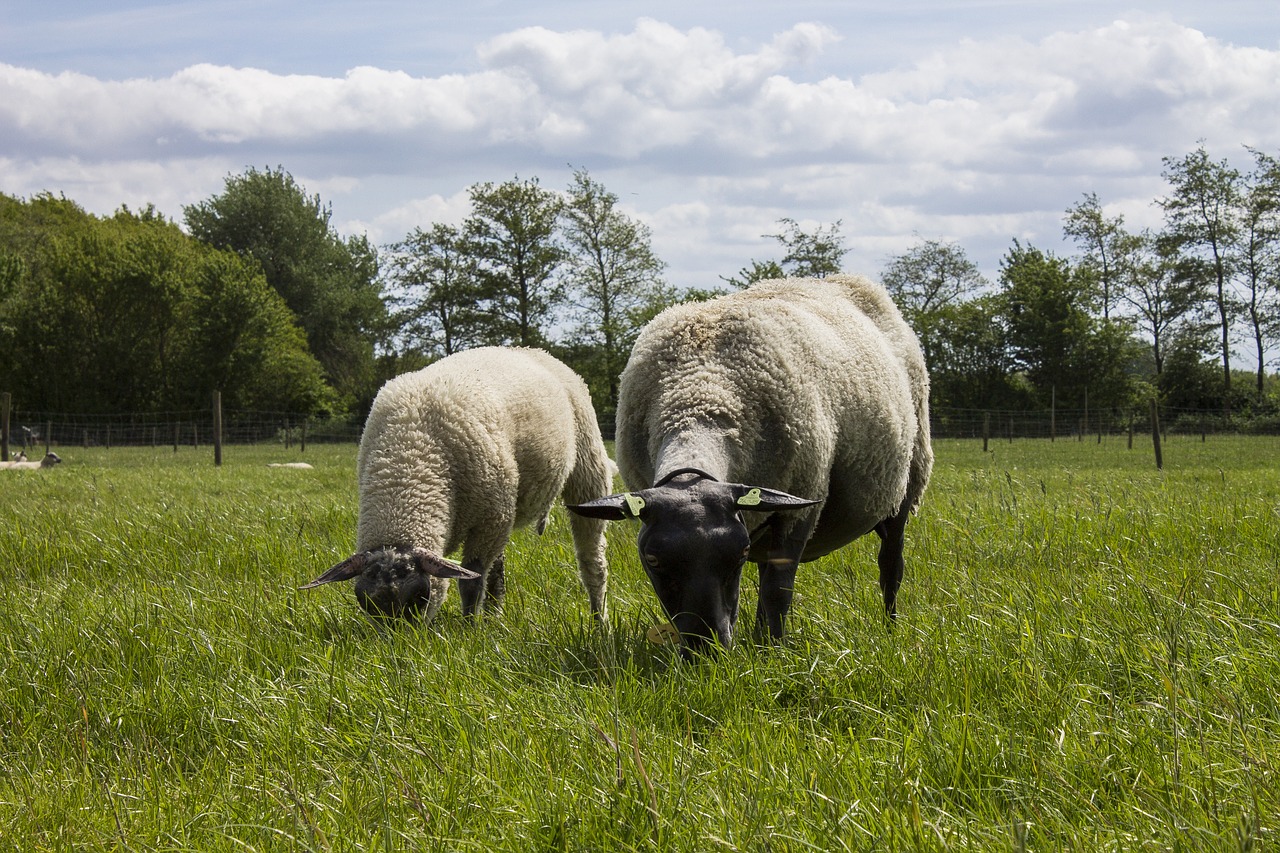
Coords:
pixel 393 582
pixel 693 544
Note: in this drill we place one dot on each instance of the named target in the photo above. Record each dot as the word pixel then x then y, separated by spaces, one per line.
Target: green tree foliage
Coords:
pixel 512 236
pixel 330 284
pixel 1259 257
pixel 973 364
pixel 808 254
pixel 1106 247
pixel 925 282
pixel 436 286
pixel 614 280
pixel 1063 349
pixel 1201 215
pixel 1162 294
pixel 128 314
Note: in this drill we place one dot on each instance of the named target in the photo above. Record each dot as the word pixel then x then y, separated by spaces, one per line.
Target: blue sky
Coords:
pixel 977 122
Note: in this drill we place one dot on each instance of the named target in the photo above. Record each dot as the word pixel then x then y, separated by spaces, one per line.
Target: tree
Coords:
pixel 1103 240
pixel 438 291
pixel 511 234
pixel 329 283
pixel 973 366
pixel 1259 252
pixel 128 314
pixel 815 254
pixel 927 279
pixel 1201 215
pixel 1052 334
pixel 614 276
pixel 1162 292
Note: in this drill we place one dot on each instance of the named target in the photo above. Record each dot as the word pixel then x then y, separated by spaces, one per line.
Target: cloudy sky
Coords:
pixel 976 121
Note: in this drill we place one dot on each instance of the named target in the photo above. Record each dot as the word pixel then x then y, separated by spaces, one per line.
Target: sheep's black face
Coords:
pixel 391 586
pixel 693 544
pixel 393 582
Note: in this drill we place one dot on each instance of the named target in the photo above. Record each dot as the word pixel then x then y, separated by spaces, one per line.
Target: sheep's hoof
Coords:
pixel 663 635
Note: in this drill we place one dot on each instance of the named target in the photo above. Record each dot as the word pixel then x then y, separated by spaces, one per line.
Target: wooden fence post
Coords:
pixel 217 427
pixel 1155 433
pixel 1053 413
pixel 5 399
pixel 48 436
pixel 986 430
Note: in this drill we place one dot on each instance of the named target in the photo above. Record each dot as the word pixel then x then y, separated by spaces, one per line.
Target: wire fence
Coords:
pixel 22 429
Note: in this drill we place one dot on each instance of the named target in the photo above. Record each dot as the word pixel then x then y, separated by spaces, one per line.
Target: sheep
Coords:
pixel 304 466
pixel 20 463
pixel 460 453
pixel 801 404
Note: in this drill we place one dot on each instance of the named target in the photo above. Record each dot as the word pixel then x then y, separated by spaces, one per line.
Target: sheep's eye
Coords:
pixel 651 560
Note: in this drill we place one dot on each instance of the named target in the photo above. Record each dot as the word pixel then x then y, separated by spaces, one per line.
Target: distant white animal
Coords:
pixel 21 464
pixel 301 465
pixel 800 406
pixel 459 454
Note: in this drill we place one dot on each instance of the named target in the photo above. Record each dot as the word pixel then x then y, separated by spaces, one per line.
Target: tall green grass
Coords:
pixel 1087 658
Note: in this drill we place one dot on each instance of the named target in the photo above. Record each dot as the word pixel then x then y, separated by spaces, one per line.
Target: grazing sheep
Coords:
pixel 21 464
pixel 303 466
pixel 811 387
pixel 458 455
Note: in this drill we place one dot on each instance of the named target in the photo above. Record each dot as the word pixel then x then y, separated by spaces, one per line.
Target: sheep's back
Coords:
pixel 482 439
pixel 810 380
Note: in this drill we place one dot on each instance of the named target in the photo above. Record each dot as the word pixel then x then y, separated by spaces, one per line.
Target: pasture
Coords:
pixel 1087 658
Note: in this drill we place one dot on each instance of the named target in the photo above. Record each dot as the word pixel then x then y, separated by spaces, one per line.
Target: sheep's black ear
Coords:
pixel 611 507
pixel 437 566
pixel 344 571
pixel 760 499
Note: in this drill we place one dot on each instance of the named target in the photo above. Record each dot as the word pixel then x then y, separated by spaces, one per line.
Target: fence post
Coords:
pixel 1155 433
pixel 217 427
pixel 1053 413
pixel 48 436
pixel 986 430
pixel 5 399
pixel 303 448
pixel 177 433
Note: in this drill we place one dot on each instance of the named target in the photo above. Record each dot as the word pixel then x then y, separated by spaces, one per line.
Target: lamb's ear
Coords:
pixel 433 564
pixel 343 571
pixel 760 499
pixel 611 507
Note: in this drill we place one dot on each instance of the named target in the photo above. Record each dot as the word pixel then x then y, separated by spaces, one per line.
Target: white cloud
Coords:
pixel 982 140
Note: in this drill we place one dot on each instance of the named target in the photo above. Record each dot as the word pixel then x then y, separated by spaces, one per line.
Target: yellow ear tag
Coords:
pixel 751 498
pixel 635 503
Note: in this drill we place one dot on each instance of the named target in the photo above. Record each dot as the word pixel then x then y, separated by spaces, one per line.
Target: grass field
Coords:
pixel 1087 658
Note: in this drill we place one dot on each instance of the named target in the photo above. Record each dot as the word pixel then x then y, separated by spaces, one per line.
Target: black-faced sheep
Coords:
pixel 457 455
pixel 731 408
pixel 21 464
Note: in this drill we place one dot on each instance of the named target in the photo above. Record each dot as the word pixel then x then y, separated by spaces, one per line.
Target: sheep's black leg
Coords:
pixel 495 586
pixel 472 591
pixel 892 532
pixel 777 586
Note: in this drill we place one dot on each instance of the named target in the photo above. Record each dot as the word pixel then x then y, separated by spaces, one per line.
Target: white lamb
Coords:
pixel 457 455
pixel 21 464
pixel 733 407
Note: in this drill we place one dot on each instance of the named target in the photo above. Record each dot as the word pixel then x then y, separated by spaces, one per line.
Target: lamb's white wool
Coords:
pixel 814 388
pixel 304 466
pixel 21 464
pixel 458 454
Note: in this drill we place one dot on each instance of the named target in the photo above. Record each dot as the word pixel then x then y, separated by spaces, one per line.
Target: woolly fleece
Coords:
pixel 460 453
pixel 816 387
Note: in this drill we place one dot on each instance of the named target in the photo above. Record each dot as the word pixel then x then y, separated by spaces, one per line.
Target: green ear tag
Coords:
pixel 751 498
pixel 635 503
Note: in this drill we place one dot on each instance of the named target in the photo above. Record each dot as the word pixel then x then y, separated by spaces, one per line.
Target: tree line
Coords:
pixel 261 298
